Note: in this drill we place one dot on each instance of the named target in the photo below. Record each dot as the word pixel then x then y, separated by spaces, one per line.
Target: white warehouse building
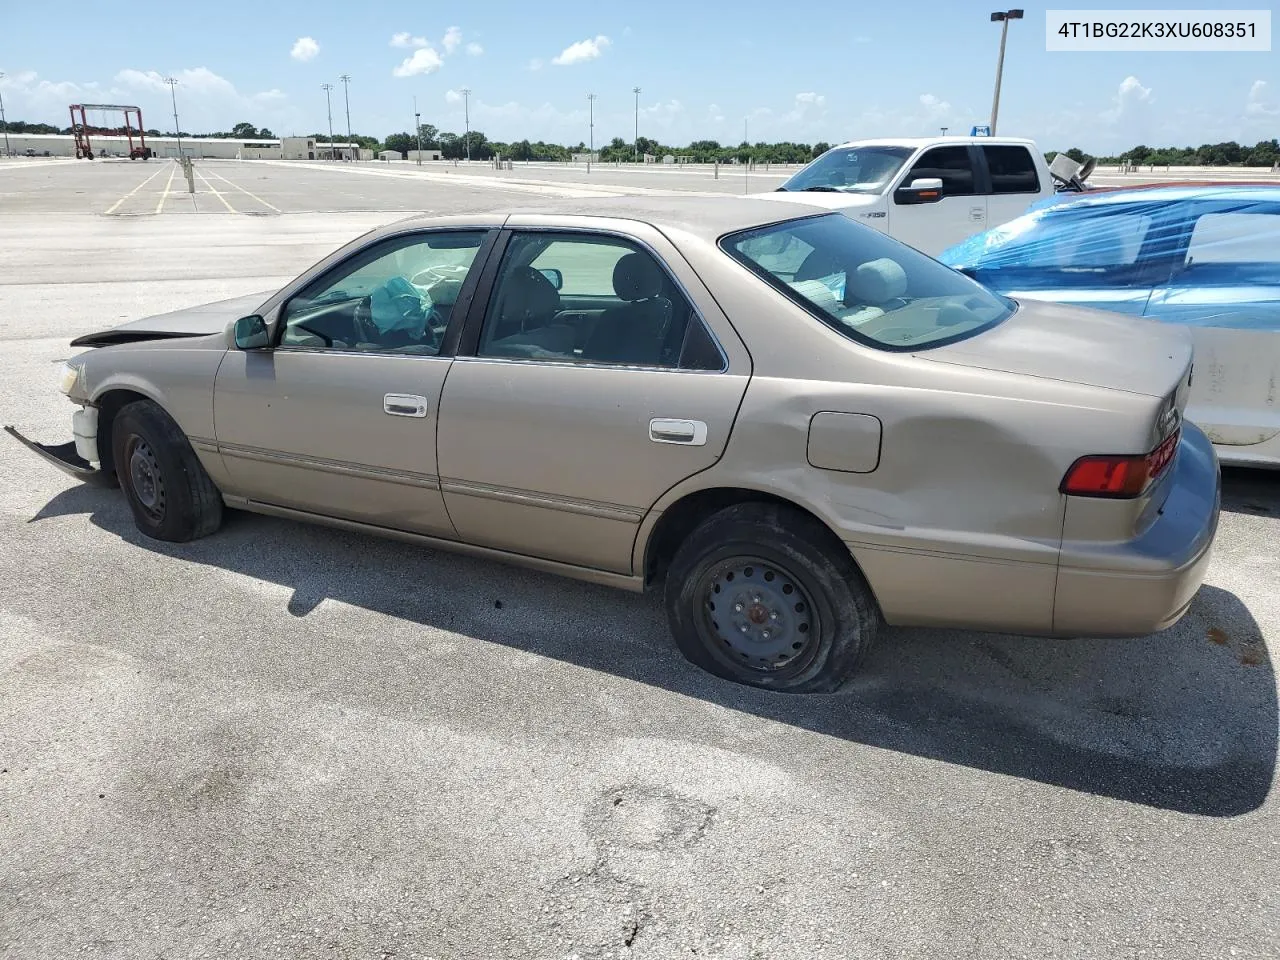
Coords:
pixel 214 148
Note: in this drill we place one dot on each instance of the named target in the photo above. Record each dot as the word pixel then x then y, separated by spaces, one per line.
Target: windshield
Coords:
pixel 866 285
pixel 851 170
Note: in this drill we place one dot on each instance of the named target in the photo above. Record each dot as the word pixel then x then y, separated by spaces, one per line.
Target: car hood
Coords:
pixel 198 321
pixel 1078 345
pixel 831 201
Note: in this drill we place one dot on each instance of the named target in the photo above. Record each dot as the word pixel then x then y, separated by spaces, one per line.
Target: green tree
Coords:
pixel 403 142
pixel 429 132
pixel 245 131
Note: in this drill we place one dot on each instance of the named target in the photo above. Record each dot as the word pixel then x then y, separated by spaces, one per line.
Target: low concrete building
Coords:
pixel 391 155
pixel 424 154
pixel 297 148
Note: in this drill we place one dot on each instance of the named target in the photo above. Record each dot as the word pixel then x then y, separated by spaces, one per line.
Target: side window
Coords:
pixel 577 297
pixel 949 164
pixel 394 297
pixel 1235 238
pixel 1012 169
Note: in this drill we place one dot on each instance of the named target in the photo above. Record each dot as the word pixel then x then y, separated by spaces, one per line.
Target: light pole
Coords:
pixel 591 127
pixel 346 80
pixel 417 125
pixel 466 111
pixel 173 97
pixel 944 131
pixel 3 122
pixel 1003 19
pixel 636 91
pixel 328 106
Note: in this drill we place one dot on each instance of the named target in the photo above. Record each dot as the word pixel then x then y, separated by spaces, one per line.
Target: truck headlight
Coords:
pixel 69 377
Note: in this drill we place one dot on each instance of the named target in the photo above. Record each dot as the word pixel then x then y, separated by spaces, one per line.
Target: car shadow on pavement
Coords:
pixel 1186 720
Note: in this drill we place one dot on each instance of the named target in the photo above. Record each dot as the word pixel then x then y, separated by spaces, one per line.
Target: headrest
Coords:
pixel 877 281
pixel 529 295
pixel 636 277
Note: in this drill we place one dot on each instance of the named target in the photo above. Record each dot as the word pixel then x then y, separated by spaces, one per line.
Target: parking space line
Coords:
pixel 245 192
pixel 214 191
pixel 165 196
pixel 112 208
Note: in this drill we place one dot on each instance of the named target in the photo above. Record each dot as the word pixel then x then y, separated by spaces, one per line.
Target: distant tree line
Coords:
pixel 454 146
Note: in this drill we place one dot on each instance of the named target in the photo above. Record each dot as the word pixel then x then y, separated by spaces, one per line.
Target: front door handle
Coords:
pixel 692 433
pixel 404 405
pixel 977 213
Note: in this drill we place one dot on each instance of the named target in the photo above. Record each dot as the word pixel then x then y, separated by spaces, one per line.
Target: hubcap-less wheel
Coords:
pixel 145 477
pixel 759 615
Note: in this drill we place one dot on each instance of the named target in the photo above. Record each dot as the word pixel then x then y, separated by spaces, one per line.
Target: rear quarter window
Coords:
pixel 1012 169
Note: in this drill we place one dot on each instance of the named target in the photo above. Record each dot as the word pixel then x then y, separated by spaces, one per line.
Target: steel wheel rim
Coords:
pixel 758 616
pixel 145 477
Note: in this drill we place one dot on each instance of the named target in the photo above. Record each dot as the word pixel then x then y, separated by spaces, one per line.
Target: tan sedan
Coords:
pixel 795 426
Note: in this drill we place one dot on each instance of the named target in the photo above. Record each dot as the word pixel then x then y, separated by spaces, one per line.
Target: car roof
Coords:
pixel 929 141
pixel 705 217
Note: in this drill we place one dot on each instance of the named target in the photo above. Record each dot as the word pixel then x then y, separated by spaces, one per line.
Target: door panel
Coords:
pixel 557 461
pixel 1234 396
pixel 317 431
pixel 962 211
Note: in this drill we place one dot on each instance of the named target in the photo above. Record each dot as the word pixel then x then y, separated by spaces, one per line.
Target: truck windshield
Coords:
pixel 866 285
pixel 851 170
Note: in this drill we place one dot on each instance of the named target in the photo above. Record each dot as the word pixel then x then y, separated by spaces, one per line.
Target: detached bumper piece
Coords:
pixel 65 457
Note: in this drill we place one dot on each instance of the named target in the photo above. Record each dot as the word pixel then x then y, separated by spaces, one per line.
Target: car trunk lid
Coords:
pixel 1079 345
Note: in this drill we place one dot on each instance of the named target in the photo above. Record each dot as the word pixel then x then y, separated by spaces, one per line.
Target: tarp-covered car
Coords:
pixel 795 426
pixel 1204 257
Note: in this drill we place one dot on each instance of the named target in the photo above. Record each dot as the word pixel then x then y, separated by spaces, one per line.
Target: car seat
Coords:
pixel 636 331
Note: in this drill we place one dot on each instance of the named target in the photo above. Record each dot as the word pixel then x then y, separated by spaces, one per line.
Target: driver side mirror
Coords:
pixel 251 333
pixel 554 275
pixel 921 190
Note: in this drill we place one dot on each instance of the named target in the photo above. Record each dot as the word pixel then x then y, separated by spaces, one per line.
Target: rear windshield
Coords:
pixel 866 285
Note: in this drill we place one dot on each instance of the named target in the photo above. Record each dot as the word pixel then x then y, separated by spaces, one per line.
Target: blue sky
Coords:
pixel 819 70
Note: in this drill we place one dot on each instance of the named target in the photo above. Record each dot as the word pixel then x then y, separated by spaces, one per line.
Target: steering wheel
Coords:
pixel 366 329
pixel 328 340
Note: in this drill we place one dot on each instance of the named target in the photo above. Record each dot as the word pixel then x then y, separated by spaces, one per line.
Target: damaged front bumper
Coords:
pixel 77 457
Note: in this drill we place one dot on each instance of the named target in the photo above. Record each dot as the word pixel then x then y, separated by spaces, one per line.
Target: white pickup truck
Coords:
pixel 928 192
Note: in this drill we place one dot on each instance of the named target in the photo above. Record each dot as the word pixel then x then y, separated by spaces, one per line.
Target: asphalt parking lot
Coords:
pixel 289 741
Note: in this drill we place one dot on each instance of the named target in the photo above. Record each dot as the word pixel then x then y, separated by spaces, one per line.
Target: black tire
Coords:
pixel 169 492
pixel 809 614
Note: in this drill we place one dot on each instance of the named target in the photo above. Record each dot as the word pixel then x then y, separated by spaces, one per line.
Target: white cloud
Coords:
pixel 452 96
pixel 424 61
pixel 815 98
pixel 535 64
pixel 304 49
pixel 408 41
pixel 474 49
pixel 1259 103
pixel 581 52
pixel 452 39
pixel 934 106
pixel 1129 103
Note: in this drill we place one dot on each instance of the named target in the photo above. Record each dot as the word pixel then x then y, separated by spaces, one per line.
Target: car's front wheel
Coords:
pixel 170 493
pixel 762 594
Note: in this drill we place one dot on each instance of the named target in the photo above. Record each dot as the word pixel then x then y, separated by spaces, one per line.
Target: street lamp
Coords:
pixel 466 110
pixel 944 131
pixel 591 127
pixel 636 91
pixel 173 97
pixel 328 106
pixel 1003 19
pixel 417 125
pixel 3 122
pixel 346 80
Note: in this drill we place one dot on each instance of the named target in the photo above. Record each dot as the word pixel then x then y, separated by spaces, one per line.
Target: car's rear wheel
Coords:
pixel 170 493
pixel 764 595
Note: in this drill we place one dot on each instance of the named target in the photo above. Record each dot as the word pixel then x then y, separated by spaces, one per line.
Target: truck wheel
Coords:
pixel 170 493
pixel 764 595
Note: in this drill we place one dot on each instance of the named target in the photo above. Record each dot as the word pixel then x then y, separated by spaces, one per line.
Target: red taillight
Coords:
pixel 1119 476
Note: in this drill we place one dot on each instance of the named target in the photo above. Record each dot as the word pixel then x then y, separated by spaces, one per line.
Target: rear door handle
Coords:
pixel 692 433
pixel 404 405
